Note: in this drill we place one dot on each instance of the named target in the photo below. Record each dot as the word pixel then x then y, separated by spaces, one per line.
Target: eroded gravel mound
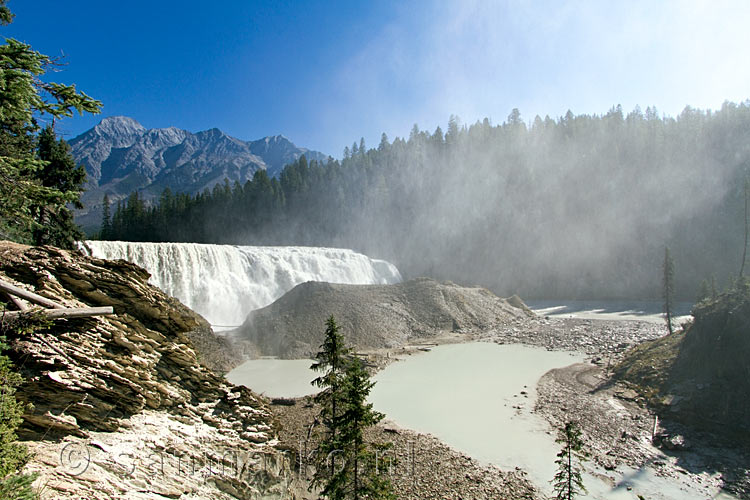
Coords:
pixel 373 316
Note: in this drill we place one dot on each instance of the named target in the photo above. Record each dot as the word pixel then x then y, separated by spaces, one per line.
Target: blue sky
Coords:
pixel 326 73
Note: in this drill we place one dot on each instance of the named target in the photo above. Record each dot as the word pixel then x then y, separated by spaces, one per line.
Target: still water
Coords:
pixel 471 396
pixel 276 378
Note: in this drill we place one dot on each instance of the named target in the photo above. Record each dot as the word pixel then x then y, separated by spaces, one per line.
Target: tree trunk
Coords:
pixel 71 312
pixel 30 296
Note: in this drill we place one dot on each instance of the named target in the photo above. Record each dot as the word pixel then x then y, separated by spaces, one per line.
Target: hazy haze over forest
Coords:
pixel 581 206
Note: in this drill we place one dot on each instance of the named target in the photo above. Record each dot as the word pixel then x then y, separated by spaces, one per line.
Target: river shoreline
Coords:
pixel 617 424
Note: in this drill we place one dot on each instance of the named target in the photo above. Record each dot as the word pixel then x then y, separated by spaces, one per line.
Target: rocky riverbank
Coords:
pixel 419 465
pixel 618 427
pixel 604 342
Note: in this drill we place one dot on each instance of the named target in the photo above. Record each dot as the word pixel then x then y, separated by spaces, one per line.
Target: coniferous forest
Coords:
pixel 581 206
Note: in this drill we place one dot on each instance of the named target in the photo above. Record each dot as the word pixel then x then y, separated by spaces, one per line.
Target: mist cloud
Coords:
pixel 477 59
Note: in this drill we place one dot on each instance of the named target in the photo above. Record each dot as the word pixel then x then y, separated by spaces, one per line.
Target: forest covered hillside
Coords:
pixel 577 207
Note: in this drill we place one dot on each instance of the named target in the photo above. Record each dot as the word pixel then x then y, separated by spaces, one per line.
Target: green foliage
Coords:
pixel 105 233
pixel 60 172
pixel 568 483
pixel 747 228
pixel 13 455
pixel 331 360
pixel 704 292
pixel 360 467
pixel 345 465
pixel 28 200
pixel 6 17
pixel 18 487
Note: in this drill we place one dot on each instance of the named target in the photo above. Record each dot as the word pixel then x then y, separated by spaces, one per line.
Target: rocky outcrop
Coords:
pixel 373 316
pixel 131 385
pixel 700 376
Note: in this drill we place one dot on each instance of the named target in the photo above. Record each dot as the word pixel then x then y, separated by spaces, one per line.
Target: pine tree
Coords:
pixel 704 292
pixel 345 467
pixel 568 483
pixel 25 98
pixel 331 360
pixel 668 290
pixel 363 480
pixel 383 146
pixel 60 172
pixel 106 229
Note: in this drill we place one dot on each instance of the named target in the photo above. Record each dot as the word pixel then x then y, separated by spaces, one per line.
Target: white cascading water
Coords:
pixel 225 282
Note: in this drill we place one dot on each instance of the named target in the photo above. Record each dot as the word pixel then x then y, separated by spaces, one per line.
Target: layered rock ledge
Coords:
pixel 112 392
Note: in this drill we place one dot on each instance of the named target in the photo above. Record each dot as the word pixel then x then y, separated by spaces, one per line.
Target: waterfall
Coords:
pixel 225 282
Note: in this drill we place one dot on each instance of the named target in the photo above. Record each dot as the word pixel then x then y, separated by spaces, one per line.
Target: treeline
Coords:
pixel 581 206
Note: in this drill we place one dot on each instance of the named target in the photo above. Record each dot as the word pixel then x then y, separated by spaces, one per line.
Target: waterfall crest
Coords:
pixel 225 282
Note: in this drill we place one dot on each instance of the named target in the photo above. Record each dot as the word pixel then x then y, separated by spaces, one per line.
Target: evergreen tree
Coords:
pixel 668 288
pixel 106 229
pixel 363 480
pixel 568 483
pixel 704 292
pixel 24 97
pixel 60 172
pixel 383 146
pixel 332 360
pixel 345 467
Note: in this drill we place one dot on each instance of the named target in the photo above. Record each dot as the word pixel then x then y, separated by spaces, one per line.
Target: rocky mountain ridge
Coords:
pixel 122 156
pixel 112 394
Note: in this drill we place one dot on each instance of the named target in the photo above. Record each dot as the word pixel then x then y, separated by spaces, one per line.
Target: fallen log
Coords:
pixel 70 312
pixel 14 300
pixel 30 296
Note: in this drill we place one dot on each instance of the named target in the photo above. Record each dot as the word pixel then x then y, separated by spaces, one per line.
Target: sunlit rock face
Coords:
pixel 125 388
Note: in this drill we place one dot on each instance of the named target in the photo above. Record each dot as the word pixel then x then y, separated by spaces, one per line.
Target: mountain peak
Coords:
pixel 118 125
pixel 120 131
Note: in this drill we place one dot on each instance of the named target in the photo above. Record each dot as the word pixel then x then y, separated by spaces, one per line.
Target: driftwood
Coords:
pixel 53 311
pixel 14 300
pixel 31 297
pixel 70 312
